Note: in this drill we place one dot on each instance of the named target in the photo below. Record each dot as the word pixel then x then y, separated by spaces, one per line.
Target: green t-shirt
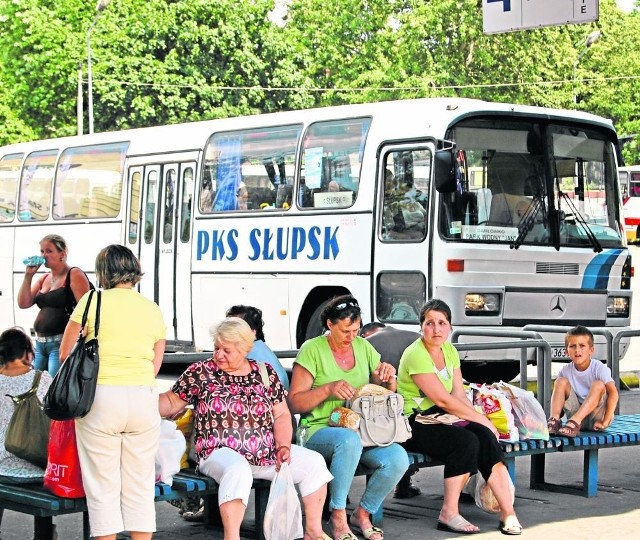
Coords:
pixel 417 360
pixel 316 357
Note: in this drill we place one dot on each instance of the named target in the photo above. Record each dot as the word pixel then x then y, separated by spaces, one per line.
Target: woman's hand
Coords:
pixel 342 389
pixel 385 372
pixel 283 455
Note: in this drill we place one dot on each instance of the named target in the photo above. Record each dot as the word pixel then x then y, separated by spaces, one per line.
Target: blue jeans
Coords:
pixel 47 357
pixel 343 451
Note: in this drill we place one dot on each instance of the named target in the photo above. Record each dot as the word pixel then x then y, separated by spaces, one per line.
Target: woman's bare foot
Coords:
pixel 339 525
pixel 456 524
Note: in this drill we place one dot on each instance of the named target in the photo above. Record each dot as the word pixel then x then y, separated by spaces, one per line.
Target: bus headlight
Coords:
pixel 482 304
pixel 618 306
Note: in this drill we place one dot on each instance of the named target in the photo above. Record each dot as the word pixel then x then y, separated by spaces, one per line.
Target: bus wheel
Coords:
pixel 314 326
pixel 490 372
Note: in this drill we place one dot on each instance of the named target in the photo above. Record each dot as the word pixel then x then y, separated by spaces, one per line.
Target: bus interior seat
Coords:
pixel 284 195
pixel 506 209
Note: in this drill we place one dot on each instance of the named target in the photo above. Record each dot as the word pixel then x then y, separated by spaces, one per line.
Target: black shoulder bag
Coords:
pixel 73 388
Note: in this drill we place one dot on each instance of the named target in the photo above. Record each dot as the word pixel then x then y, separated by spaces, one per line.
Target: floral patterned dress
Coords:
pixel 232 411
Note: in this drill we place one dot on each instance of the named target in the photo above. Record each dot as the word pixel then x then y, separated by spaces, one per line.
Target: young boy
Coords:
pixel 584 389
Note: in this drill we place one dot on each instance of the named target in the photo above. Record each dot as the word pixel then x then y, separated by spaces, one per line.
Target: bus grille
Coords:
pixel 557 268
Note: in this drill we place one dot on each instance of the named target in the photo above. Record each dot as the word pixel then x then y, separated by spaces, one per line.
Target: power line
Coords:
pixel 368 88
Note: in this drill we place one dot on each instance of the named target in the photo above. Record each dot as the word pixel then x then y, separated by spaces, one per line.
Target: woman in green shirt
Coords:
pixel 429 377
pixel 327 372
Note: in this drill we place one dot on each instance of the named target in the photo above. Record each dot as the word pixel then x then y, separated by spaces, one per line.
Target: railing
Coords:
pixel 525 340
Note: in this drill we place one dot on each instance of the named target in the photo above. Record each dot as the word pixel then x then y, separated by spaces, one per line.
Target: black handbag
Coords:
pixel 73 388
pixel 28 432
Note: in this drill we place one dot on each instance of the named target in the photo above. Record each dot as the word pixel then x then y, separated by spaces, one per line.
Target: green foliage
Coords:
pixel 167 61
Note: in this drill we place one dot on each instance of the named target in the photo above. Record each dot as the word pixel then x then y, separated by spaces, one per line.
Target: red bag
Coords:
pixel 62 475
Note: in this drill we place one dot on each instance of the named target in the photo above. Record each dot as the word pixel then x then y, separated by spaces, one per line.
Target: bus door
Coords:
pixel 401 246
pixel 165 245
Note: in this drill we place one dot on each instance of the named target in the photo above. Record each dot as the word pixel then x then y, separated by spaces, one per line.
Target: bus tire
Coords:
pixel 490 372
pixel 314 326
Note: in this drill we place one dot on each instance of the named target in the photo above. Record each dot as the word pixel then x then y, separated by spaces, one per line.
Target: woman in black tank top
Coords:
pixel 54 293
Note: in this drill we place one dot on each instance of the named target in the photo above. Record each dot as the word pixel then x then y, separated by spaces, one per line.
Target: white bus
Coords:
pixel 630 187
pixel 284 211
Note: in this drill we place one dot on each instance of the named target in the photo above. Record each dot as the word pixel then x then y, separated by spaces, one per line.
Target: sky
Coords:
pixel 625 5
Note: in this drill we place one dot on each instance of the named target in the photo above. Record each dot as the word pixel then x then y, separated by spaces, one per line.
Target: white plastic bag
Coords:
pixel 495 405
pixel 527 411
pixel 170 450
pixel 484 497
pixel 283 515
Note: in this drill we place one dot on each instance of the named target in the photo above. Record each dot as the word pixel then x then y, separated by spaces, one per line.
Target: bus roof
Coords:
pixel 438 114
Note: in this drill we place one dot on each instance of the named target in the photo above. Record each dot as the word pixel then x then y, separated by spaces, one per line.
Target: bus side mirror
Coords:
pixel 445 171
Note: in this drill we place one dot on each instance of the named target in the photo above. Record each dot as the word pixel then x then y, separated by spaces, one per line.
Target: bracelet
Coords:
pixel 281 447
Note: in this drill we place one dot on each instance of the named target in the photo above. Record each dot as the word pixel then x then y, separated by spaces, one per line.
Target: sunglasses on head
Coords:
pixel 344 305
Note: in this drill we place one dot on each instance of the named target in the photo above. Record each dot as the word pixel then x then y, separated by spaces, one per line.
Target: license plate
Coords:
pixel 559 353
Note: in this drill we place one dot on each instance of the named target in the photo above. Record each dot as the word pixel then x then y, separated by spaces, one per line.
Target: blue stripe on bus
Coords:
pixel 596 275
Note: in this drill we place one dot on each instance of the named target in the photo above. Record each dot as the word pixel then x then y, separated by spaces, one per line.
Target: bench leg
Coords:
pixel 590 473
pixel 212 517
pixel 43 528
pixel 86 527
pixel 510 462
pixel 536 476
pixel 260 501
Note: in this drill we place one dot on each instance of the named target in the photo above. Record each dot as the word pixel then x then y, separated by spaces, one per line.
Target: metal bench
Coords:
pixel 33 499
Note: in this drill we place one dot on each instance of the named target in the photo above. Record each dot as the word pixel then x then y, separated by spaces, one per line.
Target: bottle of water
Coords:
pixel 35 260
pixel 301 433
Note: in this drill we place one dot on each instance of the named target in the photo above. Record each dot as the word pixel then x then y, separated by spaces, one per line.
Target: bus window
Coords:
pixel 404 204
pixel 88 181
pixel 134 207
pixel 9 173
pixel 244 169
pixel 169 205
pixel 35 186
pixel 331 162
pixel 187 201
pixel 399 296
pixel 150 210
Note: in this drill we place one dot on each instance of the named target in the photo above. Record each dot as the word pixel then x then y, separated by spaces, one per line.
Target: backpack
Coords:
pixel 70 301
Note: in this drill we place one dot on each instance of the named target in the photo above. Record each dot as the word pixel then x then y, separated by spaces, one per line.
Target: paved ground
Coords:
pixel 613 514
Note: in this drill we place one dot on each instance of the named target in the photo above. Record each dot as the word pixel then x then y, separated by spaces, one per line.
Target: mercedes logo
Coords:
pixel 558 305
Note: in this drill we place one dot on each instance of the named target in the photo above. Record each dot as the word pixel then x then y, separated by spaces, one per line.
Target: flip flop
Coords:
pixel 510 526
pixel 456 525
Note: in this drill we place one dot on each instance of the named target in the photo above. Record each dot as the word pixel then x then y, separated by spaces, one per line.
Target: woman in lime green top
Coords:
pixel 326 373
pixel 118 438
pixel 429 377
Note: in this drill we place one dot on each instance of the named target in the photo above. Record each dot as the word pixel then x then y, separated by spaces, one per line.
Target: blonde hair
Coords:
pixel 234 331
pixel 57 241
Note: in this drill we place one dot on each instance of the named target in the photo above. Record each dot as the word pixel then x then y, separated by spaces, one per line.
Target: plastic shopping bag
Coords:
pixel 283 515
pixel 170 451
pixel 527 411
pixel 497 408
pixel 184 422
pixel 62 475
pixel 484 497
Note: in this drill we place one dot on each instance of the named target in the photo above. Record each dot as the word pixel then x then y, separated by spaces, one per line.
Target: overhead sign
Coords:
pixel 510 15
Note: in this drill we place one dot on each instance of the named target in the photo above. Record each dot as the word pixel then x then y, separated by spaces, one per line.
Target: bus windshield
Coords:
pixel 529 182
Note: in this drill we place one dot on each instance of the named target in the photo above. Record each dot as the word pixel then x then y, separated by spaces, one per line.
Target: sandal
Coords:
pixel 457 525
pixel 570 429
pixel 510 526
pixel 553 425
pixel 367 533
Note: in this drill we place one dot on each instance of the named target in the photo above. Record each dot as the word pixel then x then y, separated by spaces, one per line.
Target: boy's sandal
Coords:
pixel 570 429
pixel 553 425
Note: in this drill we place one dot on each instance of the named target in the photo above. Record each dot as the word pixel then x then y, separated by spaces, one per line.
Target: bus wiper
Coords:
pixel 597 248
pixel 528 220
